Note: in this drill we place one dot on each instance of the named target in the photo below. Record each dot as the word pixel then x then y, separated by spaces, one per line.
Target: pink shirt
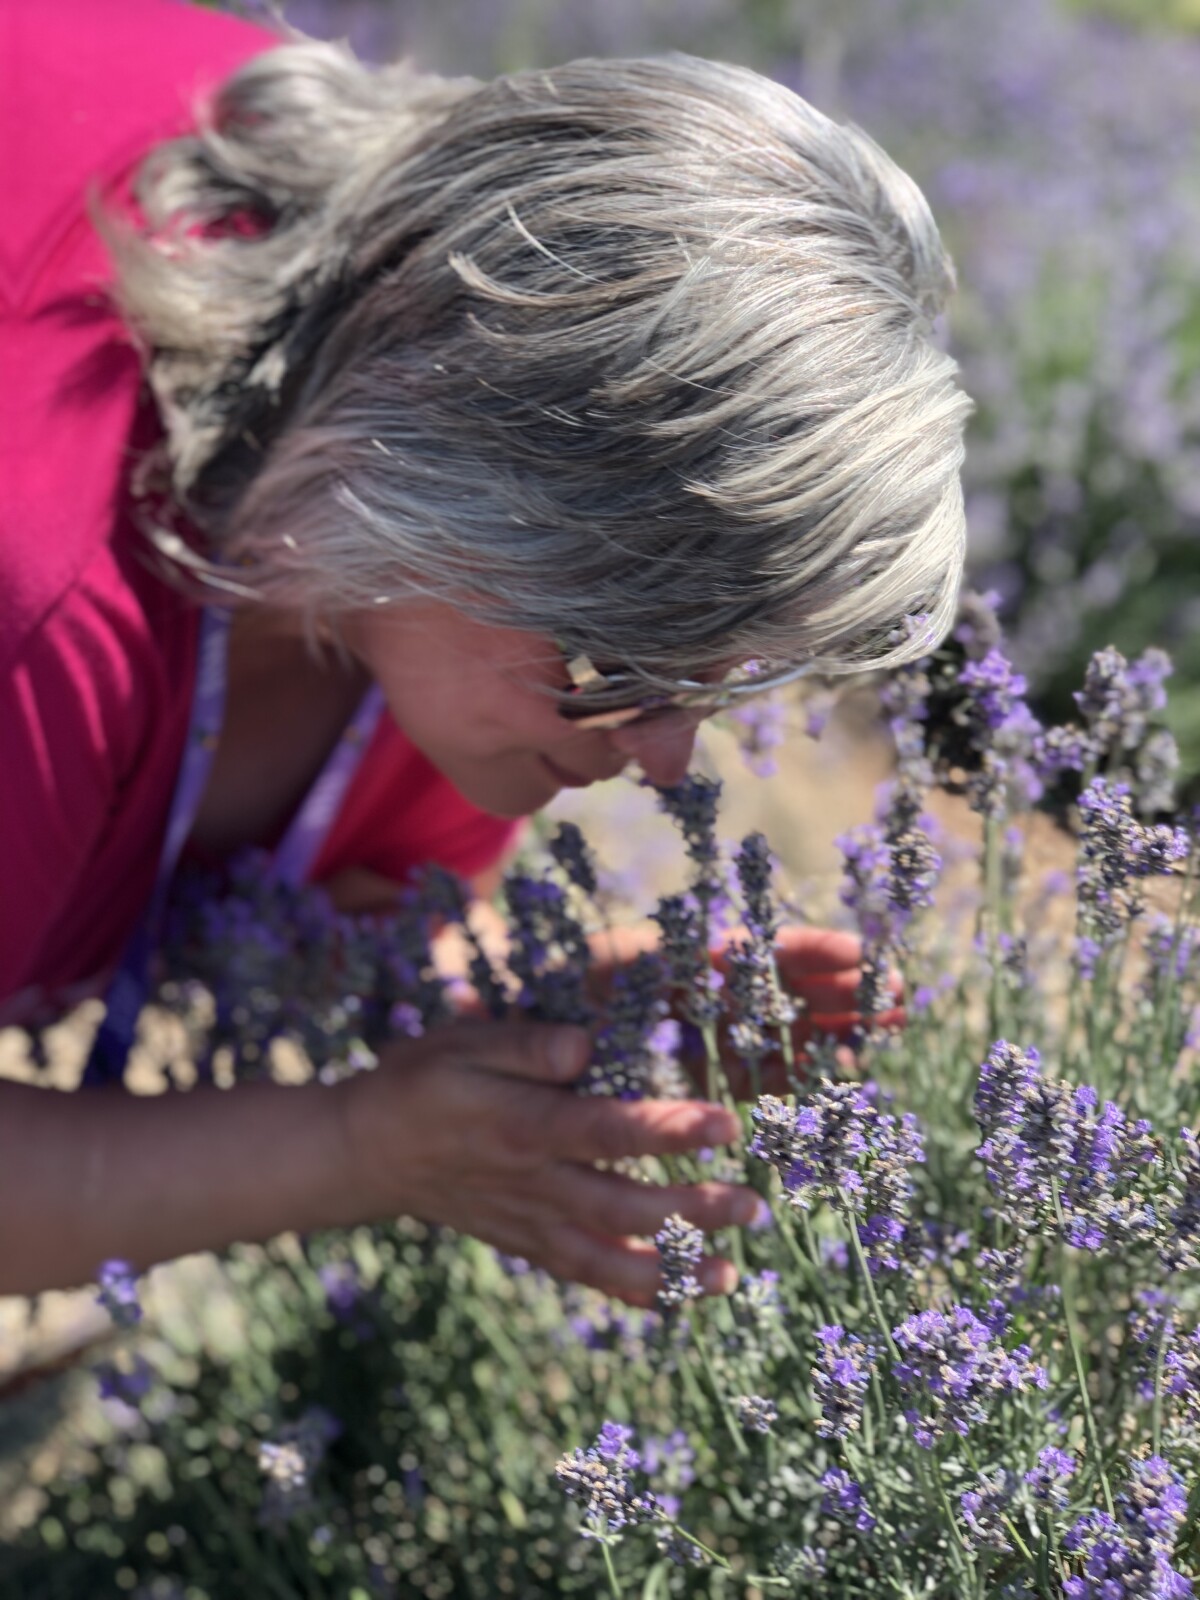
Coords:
pixel 97 654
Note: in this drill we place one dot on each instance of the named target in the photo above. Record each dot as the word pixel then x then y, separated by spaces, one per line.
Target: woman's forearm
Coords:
pixel 102 1173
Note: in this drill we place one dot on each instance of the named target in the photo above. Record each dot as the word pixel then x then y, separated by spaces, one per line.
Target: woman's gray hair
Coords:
pixel 634 353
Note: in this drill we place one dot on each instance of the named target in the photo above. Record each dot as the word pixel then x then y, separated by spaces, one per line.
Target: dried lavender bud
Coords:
pixel 117 1284
pixel 841 1379
pixel 951 1367
pixel 756 1414
pixel 681 1247
pixel 574 855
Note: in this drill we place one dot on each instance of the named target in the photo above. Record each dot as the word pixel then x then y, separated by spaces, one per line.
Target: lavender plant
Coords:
pixel 963 1359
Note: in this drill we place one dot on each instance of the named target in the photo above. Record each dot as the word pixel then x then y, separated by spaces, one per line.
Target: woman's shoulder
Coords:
pixel 87 89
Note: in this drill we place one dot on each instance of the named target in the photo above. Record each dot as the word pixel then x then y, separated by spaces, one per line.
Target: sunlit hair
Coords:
pixel 634 353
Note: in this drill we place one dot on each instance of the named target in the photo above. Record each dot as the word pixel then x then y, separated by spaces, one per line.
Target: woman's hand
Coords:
pixel 476 1126
pixel 820 969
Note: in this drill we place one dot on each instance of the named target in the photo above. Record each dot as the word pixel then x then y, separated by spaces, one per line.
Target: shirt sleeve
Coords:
pixel 58 791
pixel 92 718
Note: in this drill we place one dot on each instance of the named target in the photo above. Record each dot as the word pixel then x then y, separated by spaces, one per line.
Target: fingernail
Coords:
pixel 719 1127
pixel 568 1051
pixel 720 1277
pixel 745 1210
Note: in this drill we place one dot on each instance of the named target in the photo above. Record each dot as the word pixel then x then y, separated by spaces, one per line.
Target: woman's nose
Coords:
pixel 662 747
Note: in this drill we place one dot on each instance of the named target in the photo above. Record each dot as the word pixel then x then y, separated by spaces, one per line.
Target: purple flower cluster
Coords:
pixel 1129 1555
pixel 984 1508
pixel 681 1249
pixel 838 1147
pixel 1118 701
pixel 887 880
pixel 844 1500
pixel 117 1287
pixel 756 1413
pixel 622 1061
pixel 1051 1151
pixel 692 806
pixel 1049 1479
pixel 549 953
pixel 841 1378
pixel 684 949
pixel 606 1481
pixel 1001 732
pixel 1116 854
pixel 1181 1246
pixel 952 1368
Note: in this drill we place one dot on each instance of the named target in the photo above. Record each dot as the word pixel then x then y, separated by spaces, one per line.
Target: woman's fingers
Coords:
pixel 807 951
pixel 587 1129
pixel 541 1051
pixel 628 1269
pixel 621 1205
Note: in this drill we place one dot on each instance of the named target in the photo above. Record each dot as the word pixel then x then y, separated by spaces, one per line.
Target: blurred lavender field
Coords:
pixel 1059 147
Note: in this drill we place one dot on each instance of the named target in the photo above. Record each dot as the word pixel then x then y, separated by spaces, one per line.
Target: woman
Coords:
pixel 505 421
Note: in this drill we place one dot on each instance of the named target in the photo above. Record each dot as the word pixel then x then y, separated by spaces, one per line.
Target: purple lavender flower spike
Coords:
pixel 574 855
pixel 1130 1553
pixel 1043 1136
pixel 602 1479
pixel 839 1148
pixel 844 1499
pixel 841 1379
pixel 1049 1479
pixel 951 1369
pixel 117 1283
pixel 984 1507
pixel 684 949
pixel 692 806
pixel 623 1057
pixel 681 1247
pixel 756 1413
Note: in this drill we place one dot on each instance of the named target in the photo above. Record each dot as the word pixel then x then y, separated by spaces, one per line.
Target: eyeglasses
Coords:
pixel 607 700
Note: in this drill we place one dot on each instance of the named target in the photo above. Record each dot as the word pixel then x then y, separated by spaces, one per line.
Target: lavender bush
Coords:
pixel 963 1358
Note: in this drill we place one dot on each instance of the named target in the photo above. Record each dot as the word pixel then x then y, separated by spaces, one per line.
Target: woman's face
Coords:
pixel 472 698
